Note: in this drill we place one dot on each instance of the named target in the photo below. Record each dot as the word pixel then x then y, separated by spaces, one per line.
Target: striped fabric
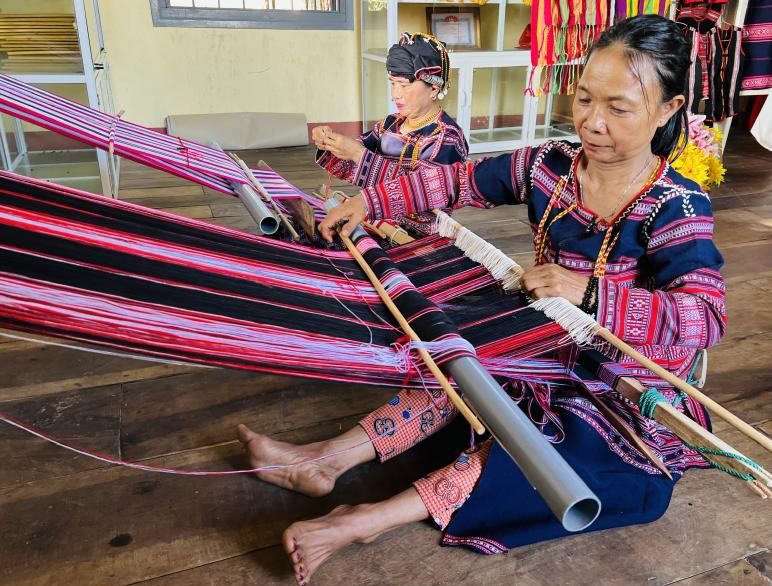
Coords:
pixel 563 31
pixel 628 8
pixel 202 164
pixel 106 272
pixel 757 45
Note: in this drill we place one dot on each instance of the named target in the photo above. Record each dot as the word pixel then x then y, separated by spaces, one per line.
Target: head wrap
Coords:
pixel 420 56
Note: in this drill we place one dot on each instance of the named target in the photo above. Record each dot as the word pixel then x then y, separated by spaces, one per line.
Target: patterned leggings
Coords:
pixel 407 419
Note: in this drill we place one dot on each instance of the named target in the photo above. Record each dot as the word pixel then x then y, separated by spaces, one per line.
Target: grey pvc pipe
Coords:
pixel 265 219
pixel 266 222
pixel 567 495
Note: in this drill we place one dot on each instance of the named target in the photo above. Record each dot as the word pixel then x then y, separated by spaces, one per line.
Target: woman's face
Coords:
pixel 413 99
pixel 613 115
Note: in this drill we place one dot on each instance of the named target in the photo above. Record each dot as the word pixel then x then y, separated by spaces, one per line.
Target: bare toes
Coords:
pixel 244 433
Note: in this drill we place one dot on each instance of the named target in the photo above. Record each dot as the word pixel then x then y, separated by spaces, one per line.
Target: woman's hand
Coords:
pixel 353 211
pixel 319 134
pixel 342 146
pixel 551 280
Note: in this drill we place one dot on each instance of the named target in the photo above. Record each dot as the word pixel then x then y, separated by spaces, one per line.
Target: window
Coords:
pixel 281 14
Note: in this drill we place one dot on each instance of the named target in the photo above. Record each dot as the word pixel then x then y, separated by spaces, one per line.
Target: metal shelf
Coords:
pixel 96 81
pixel 384 25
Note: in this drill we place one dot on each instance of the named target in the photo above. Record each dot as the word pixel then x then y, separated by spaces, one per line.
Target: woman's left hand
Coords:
pixel 551 280
pixel 344 147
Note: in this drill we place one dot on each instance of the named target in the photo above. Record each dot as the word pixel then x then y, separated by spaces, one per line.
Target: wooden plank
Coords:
pixel 742 225
pixel 763 284
pixel 231 207
pixel 743 262
pixel 87 418
pixel 43 370
pixel 742 321
pixel 117 526
pixel 182 191
pixel 202 408
pixel 711 522
pixel 738 377
pixel 197 212
pixel 739 573
pixel 242 223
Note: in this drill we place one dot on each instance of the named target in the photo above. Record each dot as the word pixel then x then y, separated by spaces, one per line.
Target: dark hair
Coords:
pixel 662 43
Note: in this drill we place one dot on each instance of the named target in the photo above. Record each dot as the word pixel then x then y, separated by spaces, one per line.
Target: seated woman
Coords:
pixel 617 232
pixel 418 69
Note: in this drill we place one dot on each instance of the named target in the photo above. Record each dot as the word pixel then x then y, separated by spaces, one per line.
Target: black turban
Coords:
pixel 419 56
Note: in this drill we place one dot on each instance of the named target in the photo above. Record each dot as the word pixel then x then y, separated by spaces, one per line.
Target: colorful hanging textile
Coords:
pixel 562 31
pixel 627 8
pixel 757 46
pixel 714 76
pixel 105 272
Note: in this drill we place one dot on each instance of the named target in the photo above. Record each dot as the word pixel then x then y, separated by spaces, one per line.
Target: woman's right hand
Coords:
pixel 319 136
pixel 353 211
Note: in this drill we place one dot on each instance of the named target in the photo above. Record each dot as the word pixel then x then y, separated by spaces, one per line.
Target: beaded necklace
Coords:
pixel 610 238
pixel 418 139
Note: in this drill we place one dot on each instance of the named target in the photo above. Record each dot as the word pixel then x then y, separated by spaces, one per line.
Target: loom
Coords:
pixel 187 290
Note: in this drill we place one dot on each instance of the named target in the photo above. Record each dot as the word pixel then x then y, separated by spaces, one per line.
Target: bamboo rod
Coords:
pixel 682 385
pixel 462 407
pixel 393 234
pixel 690 431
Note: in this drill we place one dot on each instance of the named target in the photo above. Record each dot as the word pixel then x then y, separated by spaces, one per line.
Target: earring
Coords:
pixel 440 95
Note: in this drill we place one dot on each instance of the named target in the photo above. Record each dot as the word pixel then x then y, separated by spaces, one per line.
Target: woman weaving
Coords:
pixel 418 68
pixel 617 232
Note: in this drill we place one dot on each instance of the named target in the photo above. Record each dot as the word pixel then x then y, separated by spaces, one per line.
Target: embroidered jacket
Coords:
pixel 662 292
pixel 442 142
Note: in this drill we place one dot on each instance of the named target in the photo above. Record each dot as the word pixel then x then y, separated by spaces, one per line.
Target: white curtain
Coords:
pixel 762 128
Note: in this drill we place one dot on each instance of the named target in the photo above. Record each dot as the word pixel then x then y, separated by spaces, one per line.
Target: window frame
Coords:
pixel 168 16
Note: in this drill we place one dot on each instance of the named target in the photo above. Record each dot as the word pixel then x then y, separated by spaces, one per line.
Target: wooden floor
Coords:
pixel 69 520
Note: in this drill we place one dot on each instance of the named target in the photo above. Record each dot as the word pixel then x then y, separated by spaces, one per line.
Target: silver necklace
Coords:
pixel 621 196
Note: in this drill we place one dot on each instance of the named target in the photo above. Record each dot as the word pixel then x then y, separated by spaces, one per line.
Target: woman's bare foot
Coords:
pixel 310 479
pixel 310 543
pixel 313 478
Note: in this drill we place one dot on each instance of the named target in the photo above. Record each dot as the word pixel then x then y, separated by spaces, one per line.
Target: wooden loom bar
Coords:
pixel 682 385
pixel 462 407
pixel 690 431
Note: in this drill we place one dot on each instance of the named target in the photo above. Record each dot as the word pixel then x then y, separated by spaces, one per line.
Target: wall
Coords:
pixel 157 71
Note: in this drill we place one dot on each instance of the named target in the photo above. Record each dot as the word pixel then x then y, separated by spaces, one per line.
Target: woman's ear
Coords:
pixel 669 108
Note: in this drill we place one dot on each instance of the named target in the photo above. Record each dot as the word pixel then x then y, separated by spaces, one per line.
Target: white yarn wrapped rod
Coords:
pixel 579 325
pixel 499 265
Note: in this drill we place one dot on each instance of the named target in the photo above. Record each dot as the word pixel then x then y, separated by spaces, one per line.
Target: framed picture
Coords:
pixel 457 27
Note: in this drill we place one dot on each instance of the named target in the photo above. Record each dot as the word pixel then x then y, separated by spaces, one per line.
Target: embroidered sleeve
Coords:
pixel 482 183
pixel 684 306
pixel 346 170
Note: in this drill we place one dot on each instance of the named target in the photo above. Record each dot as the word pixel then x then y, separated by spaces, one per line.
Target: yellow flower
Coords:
pixel 715 171
pixel 693 165
pixel 717 136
